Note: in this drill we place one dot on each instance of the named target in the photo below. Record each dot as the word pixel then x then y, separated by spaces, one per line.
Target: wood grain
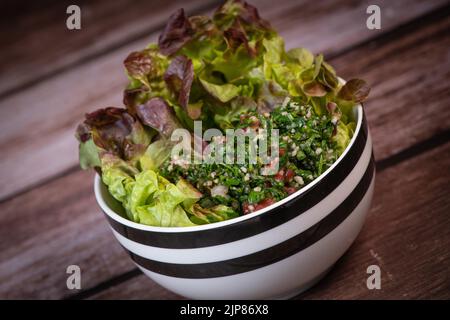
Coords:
pixel 139 287
pixel 51 109
pixel 405 233
pixel 410 79
pixel 46 230
pixel 105 25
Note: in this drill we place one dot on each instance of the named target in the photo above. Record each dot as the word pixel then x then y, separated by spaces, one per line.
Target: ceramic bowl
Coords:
pixel 273 253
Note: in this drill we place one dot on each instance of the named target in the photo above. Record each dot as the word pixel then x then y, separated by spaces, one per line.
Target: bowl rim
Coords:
pixel 117 217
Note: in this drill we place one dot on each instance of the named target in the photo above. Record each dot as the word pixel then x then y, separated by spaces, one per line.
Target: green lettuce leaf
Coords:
pixel 343 136
pixel 118 176
pixel 143 191
pixel 224 92
pixel 302 56
pixel 147 197
pixel 216 213
pixel 152 200
pixel 192 194
pixel 155 155
pixel 231 64
pixel 231 115
pixel 89 157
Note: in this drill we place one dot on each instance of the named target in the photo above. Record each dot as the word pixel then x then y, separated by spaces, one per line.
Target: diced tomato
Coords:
pixel 245 208
pixel 289 175
pixel 204 145
pixel 264 203
pixel 280 175
pixel 290 190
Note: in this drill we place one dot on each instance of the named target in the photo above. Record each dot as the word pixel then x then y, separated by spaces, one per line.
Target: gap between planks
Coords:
pixel 206 6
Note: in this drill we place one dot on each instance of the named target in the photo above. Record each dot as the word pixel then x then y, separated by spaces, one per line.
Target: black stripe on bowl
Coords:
pixel 261 223
pixel 270 255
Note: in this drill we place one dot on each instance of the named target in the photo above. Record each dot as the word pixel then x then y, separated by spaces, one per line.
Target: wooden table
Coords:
pixel 51 76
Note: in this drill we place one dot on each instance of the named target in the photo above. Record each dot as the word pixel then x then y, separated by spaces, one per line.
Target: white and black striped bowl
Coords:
pixel 276 252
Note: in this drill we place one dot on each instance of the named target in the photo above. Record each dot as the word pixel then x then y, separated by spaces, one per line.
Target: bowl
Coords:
pixel 274 253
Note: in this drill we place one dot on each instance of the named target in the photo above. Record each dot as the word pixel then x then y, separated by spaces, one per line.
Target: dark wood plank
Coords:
pixel 40 44
pixel 406 234
pixel 53 227
pixel 50 228
pixel 51 109
pixel 139 287
pixel 409 76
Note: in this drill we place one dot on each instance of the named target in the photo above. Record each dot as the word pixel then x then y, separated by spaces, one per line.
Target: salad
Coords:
pixel 227 72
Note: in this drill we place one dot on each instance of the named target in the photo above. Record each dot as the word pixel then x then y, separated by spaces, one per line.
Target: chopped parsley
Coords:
pixel 306 150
